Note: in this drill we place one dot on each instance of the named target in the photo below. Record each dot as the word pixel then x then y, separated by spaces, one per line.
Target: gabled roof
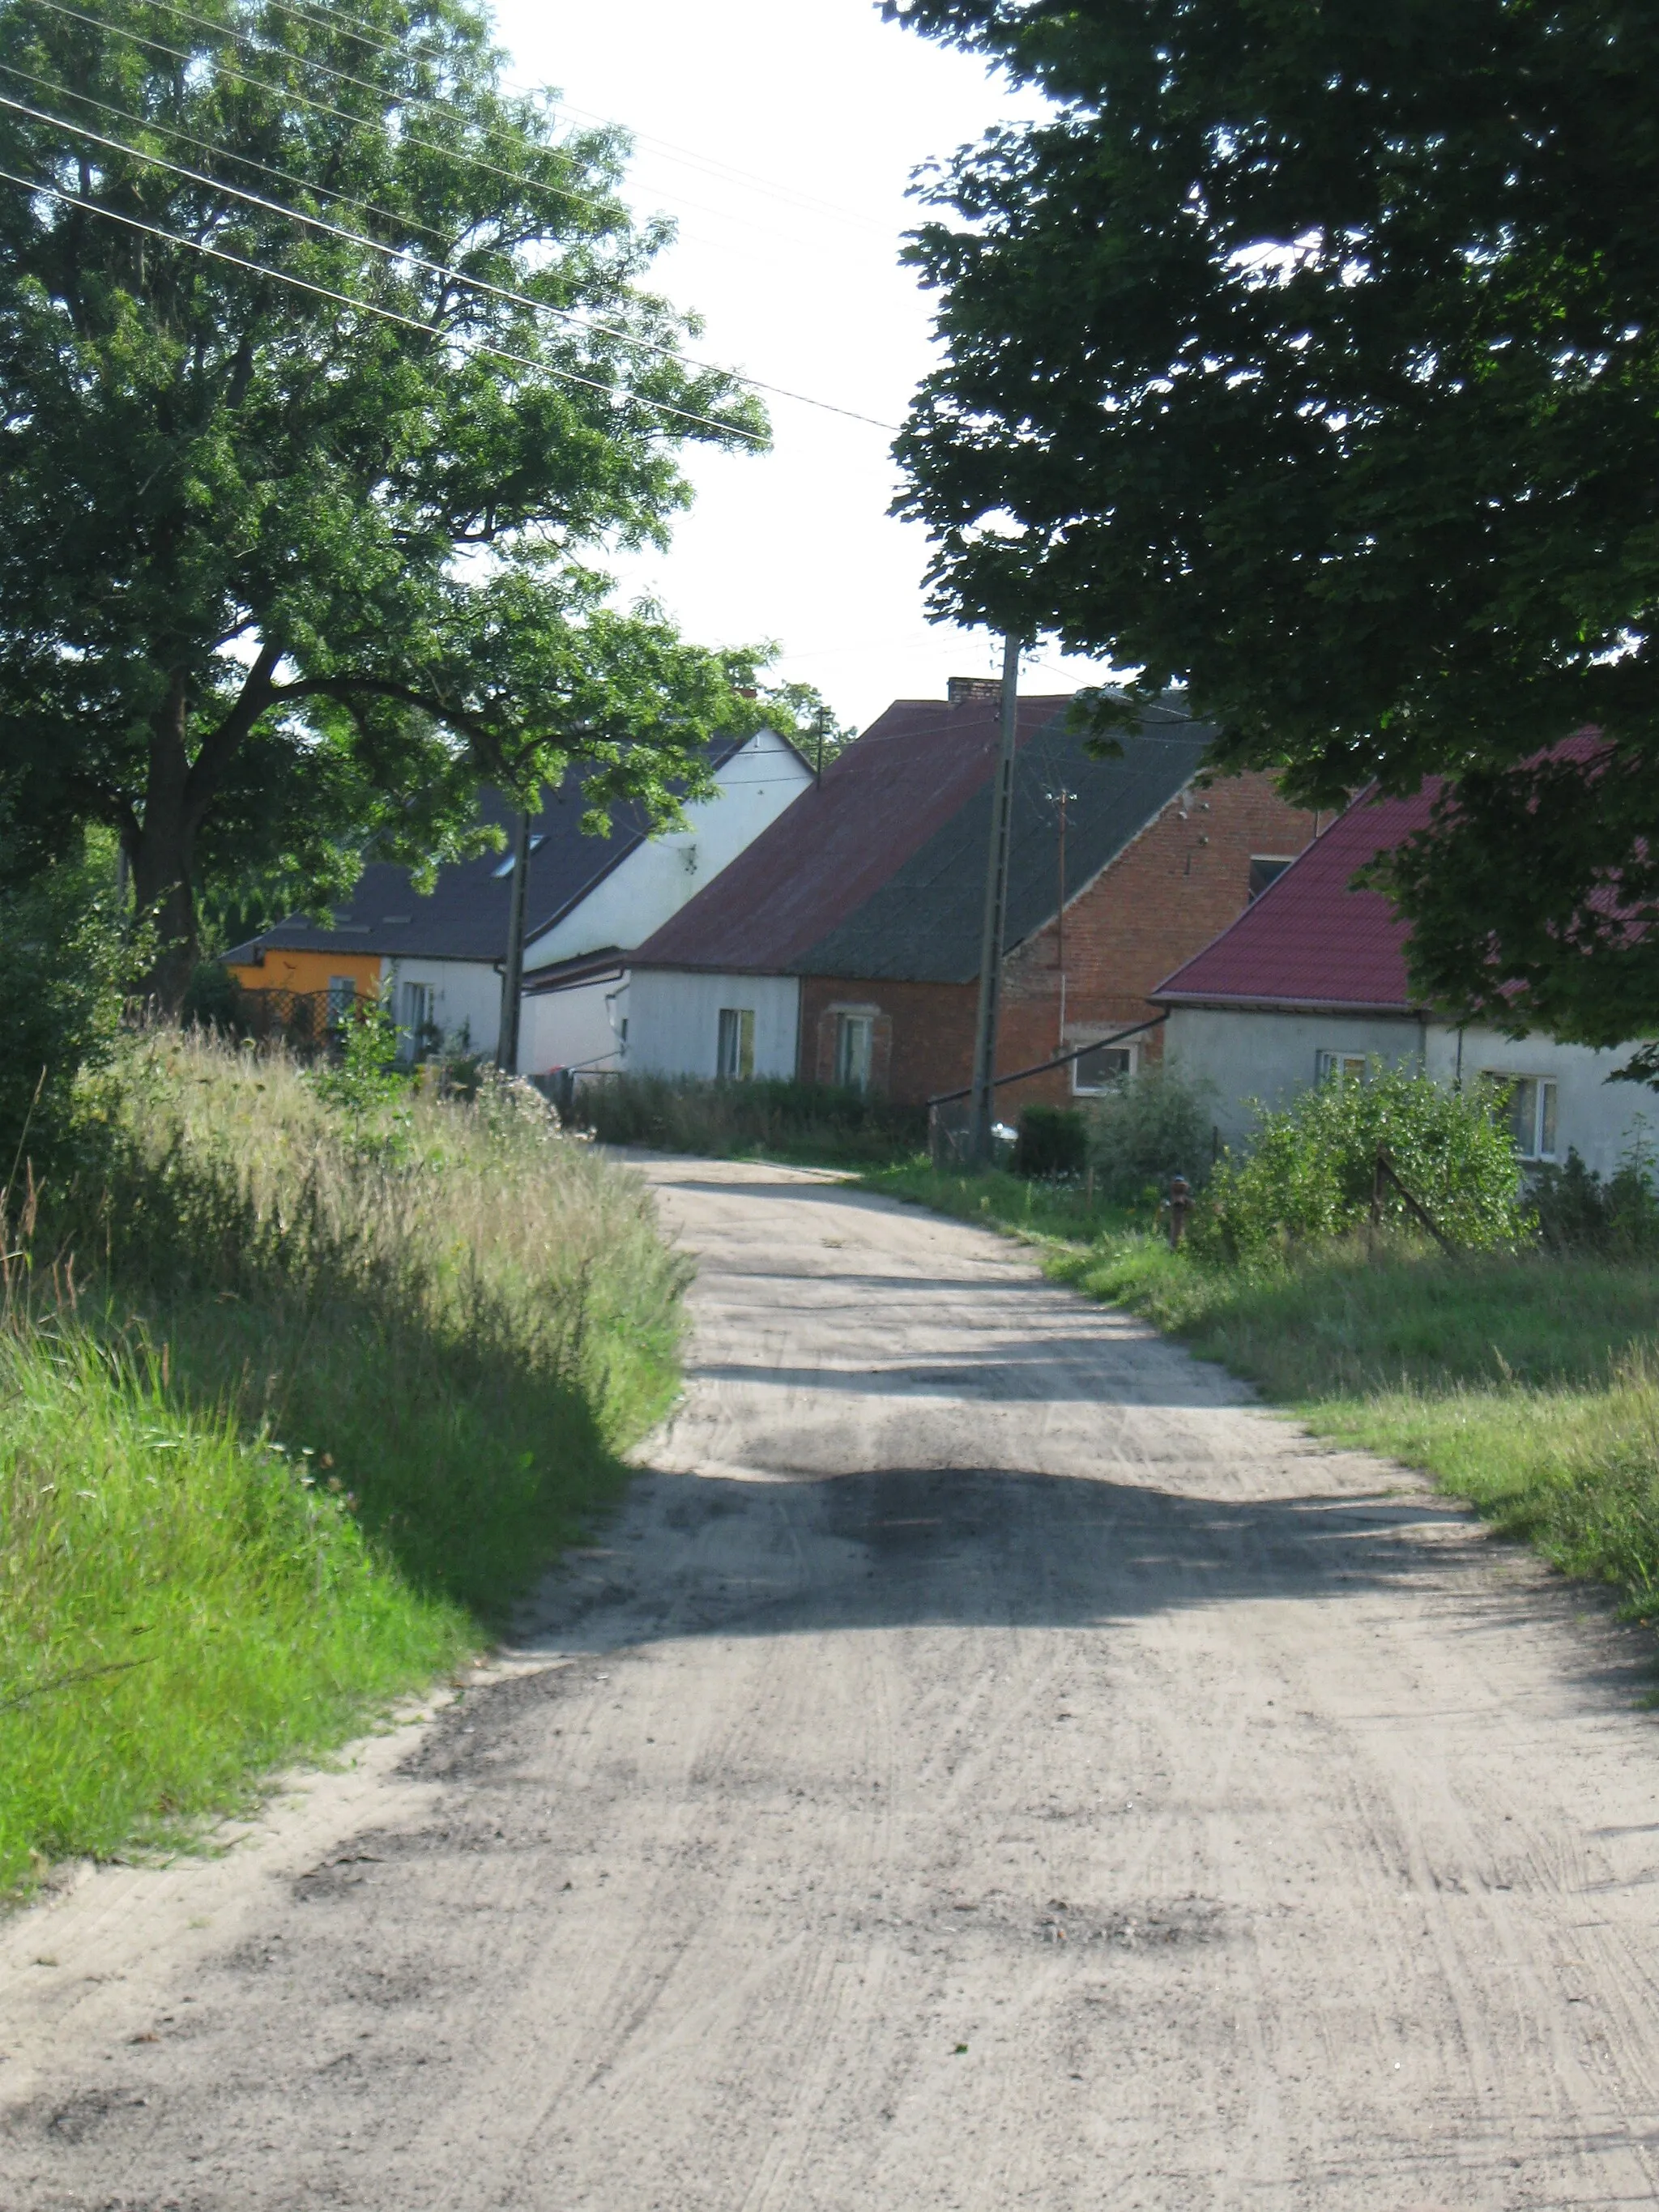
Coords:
pixel 1309 941
pixel 880 871
pixel 465 917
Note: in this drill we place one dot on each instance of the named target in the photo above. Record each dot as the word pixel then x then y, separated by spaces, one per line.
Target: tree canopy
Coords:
pixel 1307 355
pixel 327 374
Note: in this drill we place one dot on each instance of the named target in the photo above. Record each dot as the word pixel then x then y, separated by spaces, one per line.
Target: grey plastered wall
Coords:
pixel 1243 1058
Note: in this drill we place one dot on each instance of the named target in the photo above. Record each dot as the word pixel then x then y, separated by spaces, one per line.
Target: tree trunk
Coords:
pixel 162 855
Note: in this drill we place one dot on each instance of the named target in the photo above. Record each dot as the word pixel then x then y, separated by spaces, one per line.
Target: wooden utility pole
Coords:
pixel 996 915
pixel 1060 799
pixel 506 1048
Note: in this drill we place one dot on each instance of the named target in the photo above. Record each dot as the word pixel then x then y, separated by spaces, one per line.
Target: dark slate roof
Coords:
pixel 1310 940
pixel 880 872
pixel 465 917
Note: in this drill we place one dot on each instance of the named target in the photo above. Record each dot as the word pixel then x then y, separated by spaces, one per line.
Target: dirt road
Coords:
pixel 989 1764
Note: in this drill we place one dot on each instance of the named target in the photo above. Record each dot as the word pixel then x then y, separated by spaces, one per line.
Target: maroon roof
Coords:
pixel 835 846
pixel 1310 940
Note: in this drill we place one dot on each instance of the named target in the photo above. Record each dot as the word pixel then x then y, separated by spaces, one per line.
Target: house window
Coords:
pixel 1528 1108
pixel 1340 1067
pixel 735 1054
pixel 413 1011
pixel 341 998
pixel 1101 1067
pixel 1265 868
pixel 504 867
pixel 853 1034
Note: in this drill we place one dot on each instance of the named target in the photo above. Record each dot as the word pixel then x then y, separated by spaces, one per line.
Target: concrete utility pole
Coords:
pixel 996 915
pixel 506 1048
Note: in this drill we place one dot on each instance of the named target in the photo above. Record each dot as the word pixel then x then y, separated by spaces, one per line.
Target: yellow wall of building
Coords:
pixel 285 970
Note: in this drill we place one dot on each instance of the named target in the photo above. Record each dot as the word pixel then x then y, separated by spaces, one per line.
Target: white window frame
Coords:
pixel 855 1041
pixel 342 1000
pixel 1131 1068
pixel 1537 1134
pixel 1277 862
pixel 1332 1066
pixel 413 1011
pixel 734 1044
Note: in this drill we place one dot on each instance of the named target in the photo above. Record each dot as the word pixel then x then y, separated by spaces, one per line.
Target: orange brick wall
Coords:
pixel 1179 884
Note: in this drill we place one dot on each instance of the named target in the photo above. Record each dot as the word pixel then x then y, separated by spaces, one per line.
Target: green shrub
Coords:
pixel 1153 1125
pixel 1578 1211
pixel 213 999
pixel 685 1113
pixel 1310 1174
pixel 61 964
pixel 1054 1140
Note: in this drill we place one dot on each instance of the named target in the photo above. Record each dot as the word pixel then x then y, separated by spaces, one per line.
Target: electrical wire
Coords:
pixel 324 17
pixel 324 68
pixel 435 268
pixel 383 314
pixel 213 146
pixel 320 106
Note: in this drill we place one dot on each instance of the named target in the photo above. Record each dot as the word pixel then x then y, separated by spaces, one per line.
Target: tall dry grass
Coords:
pixel 293 1401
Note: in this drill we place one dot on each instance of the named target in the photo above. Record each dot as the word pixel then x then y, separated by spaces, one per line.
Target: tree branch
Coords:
pixel 208 769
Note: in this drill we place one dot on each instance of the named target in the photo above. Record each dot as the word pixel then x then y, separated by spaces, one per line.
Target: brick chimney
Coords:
pixel 973 690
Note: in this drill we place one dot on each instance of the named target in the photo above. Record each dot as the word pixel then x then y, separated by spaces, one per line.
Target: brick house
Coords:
pixel 844 944
pixel 1311 986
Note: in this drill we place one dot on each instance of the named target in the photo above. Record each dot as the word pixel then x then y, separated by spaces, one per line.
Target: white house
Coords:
pixel 441 954
pixel 576 1011
pixel 1309 985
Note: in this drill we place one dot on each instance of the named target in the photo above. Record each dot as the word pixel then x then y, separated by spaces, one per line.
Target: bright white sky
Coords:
pixel 780 134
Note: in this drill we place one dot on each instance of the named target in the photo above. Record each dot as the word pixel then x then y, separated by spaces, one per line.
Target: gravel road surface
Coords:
pixel 988 1764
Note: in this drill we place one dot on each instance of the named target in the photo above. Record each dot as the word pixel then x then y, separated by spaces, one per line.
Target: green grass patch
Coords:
pixel 1527 1383
pixel 296 1402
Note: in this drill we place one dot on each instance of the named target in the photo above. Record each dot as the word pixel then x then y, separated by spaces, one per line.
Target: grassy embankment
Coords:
pixel 307 1397
pixel 1528 1385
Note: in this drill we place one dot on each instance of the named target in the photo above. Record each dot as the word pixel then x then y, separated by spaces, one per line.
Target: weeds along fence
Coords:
pixel 295 1399
pixel 684 1114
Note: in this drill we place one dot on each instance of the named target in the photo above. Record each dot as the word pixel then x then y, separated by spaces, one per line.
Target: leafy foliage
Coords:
pixel 683 1114
pixel 1579 1211
pixel 1153 1125
pixel 1310 1174
pixel 1053 1141
pixel 63 965
pixel 277 572
pixel 1307 355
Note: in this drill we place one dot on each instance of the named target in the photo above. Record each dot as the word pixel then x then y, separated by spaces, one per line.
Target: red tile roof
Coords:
pixel 836 845
pixel 1310 940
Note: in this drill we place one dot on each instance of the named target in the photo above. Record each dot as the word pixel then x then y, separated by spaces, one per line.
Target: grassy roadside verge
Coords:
pixel 1530 1386
pixel 325 1388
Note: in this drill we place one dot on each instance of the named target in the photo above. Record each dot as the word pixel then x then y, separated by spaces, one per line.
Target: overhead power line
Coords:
pixel 231 32
pixel 321 106
pixel 322 16
pixel 213 146
pixel 385 314
pixel 435 268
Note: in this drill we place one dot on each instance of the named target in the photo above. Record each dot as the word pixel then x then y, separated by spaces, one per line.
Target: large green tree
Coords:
pixel 284 568
pixel 1306 354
